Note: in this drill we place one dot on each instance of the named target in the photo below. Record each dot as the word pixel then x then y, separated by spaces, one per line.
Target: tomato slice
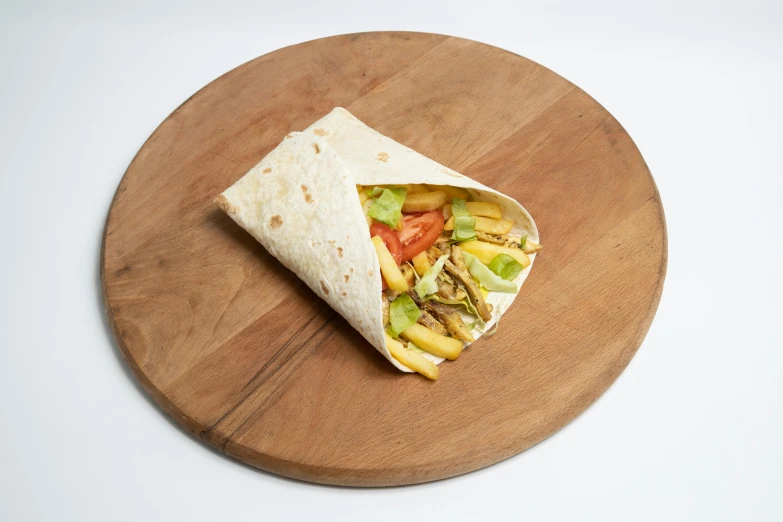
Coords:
pixel 419 232
pixel 390 239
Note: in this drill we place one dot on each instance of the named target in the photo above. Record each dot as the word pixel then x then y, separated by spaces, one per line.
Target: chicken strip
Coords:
pixel 425 319
pixel 446 316
pixel 446 290
pixel 495 239
pixel 459 271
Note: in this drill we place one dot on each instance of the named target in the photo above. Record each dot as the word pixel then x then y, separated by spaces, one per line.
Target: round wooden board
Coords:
pixel 240 352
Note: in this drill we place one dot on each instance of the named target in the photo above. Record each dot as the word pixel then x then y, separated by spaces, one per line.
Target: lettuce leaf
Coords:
pixel 428 283
pixel 487 277
pixel 403 313
pixel 505 266
pixel 387 209
pixel 464 222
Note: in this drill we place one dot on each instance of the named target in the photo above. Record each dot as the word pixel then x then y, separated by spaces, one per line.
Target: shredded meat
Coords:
pixel 446 290
pixel 495 239
pixel 458 270
pixel 430 322
pixel 446 316
pixel 390 294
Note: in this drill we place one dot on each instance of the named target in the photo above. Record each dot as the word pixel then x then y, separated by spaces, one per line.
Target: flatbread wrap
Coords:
pixel 418 258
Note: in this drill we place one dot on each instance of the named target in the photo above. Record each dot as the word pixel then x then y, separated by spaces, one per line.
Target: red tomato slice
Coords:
pixel 419 232
pixel 390 239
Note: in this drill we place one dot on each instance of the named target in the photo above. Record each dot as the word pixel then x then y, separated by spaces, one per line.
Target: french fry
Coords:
pixel 446 209
pixel 415 188
pixel 486 252
pixel 420 263
pixel 493 226
pixel 478 208
pixel 362 194
pixel 484 224
pixel 389 269
pixel 411 359
pixel 531 247
pixel 423 201
pixel 436 344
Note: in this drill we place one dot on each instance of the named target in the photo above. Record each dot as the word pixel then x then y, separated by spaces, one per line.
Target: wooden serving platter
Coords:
pixel 241 353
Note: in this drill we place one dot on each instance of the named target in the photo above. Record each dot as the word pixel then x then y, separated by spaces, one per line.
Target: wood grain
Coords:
pixel 247 358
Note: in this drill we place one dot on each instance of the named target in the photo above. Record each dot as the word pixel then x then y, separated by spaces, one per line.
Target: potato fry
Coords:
pixel 411 359
pixel 436 344
pixel 484 224
pixel 415 188
pixel 446 209
pixel 531 247
pixel 477 208
pixel 486 252
pixel 493 226
pixel 424 201
pixel 389 269
pixel 362 194
pixel 451 192
pixel 420 263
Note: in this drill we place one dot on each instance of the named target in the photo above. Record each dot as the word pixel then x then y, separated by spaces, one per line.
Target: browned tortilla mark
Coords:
pixel 317 149
pixel 307 195
pixel 383 156
pixel 340 251
pixel 343 294
pixel 369 273
pixel 276 221
pixel 323 287
pixel 346 277
pixel 320 132
pixel 266 171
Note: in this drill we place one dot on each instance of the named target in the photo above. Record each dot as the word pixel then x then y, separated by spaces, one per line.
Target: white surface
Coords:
pixel 692 430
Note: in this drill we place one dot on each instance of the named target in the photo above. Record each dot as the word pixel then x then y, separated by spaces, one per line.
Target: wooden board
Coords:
pixel 247 358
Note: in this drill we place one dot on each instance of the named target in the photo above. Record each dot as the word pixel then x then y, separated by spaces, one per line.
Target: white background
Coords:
pixel 692 430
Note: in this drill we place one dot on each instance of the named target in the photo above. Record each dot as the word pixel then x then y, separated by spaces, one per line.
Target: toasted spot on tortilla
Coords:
pixel 320 132
pixel 369 273
pixel 266 171
pixel 346 277
pixel 276 221
pixel 225 205
pixel 343 294
pixel 317 148
pixel 307 195
pixel 383 156
pixel 288 137
pixel 340 251
pixel 324 287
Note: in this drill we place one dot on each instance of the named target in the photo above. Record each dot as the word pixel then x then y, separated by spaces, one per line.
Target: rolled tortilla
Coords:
pixel 300 202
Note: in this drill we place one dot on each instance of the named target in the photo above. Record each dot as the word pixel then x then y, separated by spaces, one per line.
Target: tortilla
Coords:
pixel 300 202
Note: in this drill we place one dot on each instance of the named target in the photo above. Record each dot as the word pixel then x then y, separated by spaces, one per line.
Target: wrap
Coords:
pixel 300 202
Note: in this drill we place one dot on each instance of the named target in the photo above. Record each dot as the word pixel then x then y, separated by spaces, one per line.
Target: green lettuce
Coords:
pixel 464 222
pixel 505 266
pixel 387 209
pixel 428 283
pixel 488 279
pixel 403 313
